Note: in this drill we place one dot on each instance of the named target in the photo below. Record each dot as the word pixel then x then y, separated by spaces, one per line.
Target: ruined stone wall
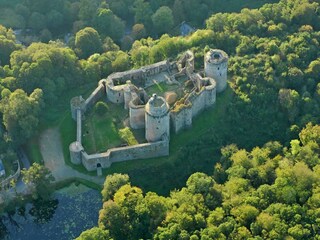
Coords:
pixel 115 94
pixel 210 91
pixel 182 119
pixel 76 103
pixel 95 96
pixel 91 161
pixel 141 151
pixel 137 116
pixel 216 67
pixel 198 101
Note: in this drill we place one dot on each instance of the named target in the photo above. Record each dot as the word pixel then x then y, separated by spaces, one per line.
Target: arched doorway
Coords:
pixel 99 169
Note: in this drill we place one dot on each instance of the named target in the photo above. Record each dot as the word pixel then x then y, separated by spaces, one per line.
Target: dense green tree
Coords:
pixel 142 13
pixel 21 114
pixel 87 42
pixel 94 234
pixel 162 20
pixel 112 184
pixel 108 24
pixel 7 45
pixel 39 178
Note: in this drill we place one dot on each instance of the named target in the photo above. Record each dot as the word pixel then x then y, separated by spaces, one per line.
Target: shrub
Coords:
pixel 127 135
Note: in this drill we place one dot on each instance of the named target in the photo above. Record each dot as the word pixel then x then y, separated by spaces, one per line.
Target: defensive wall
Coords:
pixel 121 154
pixel 153 114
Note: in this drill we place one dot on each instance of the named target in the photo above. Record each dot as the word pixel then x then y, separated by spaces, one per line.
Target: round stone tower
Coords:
pixel 75 149
pixel 76 103
pixel 157 118
pixel 216 67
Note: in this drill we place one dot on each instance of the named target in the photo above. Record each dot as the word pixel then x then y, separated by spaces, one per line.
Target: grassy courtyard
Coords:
pixel 102 132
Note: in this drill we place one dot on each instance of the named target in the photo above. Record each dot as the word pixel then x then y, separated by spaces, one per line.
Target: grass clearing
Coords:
pixel 102 132
pixel 33 151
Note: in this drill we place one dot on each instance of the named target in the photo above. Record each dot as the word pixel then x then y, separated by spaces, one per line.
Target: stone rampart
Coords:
pixel 138 76
pixel 115 94
pixel 182 119
pixel 141 151
pixel 97 94
pixel 79 126
pixel 76 103
pixel 137 116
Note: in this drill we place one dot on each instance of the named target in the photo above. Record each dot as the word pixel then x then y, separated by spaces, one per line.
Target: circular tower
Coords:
pixel 76 103
pixel 216 67
pixel 157 118
pixel 75 149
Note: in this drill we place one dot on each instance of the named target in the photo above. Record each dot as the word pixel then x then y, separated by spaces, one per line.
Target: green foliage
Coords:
pixel 127 135
pixel 7 45
pixel 101 108
pixel 21 114
pixel 94 234
pixel 250 206
pixel 108 24
pixel 112 184
pixel 162 20
pixel 39 178
pixel 87 42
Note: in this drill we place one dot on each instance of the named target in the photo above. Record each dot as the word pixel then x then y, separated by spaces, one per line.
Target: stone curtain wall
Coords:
pixel 182 119
pixel 97 94
pixel 199 101
pixel 121 154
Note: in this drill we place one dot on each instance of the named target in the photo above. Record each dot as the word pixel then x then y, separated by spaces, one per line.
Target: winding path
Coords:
pixel 51 150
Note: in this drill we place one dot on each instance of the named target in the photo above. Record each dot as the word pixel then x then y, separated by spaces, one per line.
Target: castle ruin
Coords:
pixel 190 92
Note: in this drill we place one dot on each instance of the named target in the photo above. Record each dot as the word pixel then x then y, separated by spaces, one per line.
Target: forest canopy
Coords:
pixel 269 192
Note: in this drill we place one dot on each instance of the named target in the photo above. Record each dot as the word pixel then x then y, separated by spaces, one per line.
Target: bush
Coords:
pixel 128 136
pixel 101 108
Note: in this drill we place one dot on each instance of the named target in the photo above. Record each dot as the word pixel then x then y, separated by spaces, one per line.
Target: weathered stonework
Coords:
pixel 216 67
pixel 152 113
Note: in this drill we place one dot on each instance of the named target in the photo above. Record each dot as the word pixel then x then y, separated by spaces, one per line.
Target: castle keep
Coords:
pixel 188 93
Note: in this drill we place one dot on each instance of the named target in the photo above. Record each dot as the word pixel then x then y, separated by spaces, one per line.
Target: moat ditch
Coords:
pixel 71 211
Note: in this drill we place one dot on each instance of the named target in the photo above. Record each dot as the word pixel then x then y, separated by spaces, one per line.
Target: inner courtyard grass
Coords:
pixel 100 133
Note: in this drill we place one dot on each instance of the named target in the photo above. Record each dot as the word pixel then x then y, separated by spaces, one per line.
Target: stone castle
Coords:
pixel 189 93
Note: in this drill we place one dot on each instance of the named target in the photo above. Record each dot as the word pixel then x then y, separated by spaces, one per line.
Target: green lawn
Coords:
pixel 33 151
pixel 99 133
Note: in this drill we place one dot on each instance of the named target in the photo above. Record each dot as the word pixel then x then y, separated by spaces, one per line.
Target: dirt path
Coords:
pixel 51 150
